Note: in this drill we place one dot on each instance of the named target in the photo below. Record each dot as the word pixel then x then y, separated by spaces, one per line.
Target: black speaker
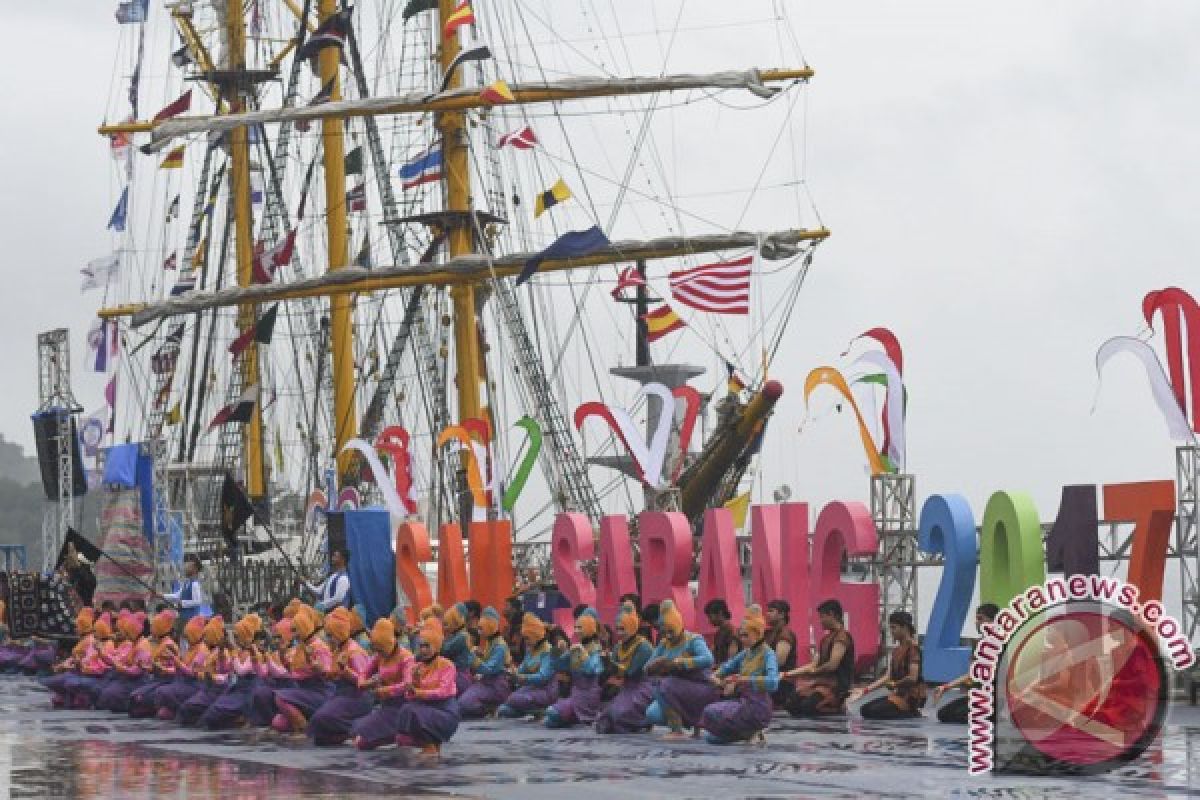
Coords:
pixel 335 528
pixel 45 434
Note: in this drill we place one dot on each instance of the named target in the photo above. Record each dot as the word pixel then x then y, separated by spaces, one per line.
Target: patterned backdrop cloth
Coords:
pixel 23 604
pixel 59 606
pixel 128 554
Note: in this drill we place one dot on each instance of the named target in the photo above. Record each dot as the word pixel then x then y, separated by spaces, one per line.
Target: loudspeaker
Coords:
pixel 45 434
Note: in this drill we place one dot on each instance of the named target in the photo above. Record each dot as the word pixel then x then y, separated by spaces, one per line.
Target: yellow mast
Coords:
pixel 252 433
pixel 455 165
pixel 345 423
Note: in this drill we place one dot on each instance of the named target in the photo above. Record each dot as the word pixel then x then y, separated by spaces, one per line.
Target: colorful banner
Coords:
pixel 1164 397
pixel 520 476
pixel 828 376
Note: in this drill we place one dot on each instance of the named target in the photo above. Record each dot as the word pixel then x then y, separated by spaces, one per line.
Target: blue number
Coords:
pixel 948 528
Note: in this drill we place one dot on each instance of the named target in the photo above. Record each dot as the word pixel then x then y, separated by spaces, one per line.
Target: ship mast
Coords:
pixel 345 421
pixel 252 433
pixel 452 126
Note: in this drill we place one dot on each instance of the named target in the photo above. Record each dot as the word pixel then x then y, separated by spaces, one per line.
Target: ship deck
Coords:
pixel 45 753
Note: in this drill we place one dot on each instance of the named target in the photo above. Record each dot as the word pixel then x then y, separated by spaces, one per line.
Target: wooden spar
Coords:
pixel 471 269
pixel 463 100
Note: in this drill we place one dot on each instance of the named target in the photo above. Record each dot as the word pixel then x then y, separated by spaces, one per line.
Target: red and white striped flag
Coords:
pixel 524 139
pixel 721 288
pixel 628 279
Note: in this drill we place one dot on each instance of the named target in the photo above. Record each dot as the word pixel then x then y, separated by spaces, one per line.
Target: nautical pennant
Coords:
pixel 184 284
pixel 721 288
pixel 733 384
pixel 415 7
pixel 181 57
pixel 425 168
pixel 199 253
pixel 176 108
pixel 174 159
pixel 353 163
pixel 330 33
pixel 176 334
pixel 170 262
pixel 175 415
pixel 266 262
pixel 356 198
pixel 261 332
pixel 569 245
pixel 629 278
pixel 479 51
pixel 117 221
pixel 497 94
pixel 256 188
pixel 132 11
pixel 524 139
pixel 363 259
pixel 173 209
pixel 662 321
pixel 237 411
pixel 558 193
pixel 110 397
pixel 103 342
pixel 119 144
pixel 463 14
pixel 163 361
pixel 99 271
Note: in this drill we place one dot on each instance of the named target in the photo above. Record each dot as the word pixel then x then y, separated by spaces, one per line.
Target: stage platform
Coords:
pixel 50 754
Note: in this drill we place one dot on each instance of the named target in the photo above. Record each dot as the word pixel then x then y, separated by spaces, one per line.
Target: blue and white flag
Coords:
pixel 185 283
pixel 103 342
pixel 117 221
pixel 425 168
pixel 132 11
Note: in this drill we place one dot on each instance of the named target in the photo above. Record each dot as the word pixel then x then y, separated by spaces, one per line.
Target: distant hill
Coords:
pixel 15 465
pixel 22 499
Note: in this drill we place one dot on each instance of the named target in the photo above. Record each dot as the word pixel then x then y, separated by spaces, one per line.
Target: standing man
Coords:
pixel 190 597
pixel 335 591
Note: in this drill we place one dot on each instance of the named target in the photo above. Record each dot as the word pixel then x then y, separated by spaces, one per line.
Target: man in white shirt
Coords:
pixel 335 591
pixel 190 596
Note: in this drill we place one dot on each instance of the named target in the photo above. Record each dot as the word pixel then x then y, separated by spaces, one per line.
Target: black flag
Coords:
pixel 235 510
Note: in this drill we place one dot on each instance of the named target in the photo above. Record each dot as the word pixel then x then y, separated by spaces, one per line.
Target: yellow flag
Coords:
pixel 556 194
pixel 174 159
pixel 175 415
pixel 740 508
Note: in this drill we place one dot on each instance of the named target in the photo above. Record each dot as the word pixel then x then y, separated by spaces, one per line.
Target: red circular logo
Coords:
pixel 1087 688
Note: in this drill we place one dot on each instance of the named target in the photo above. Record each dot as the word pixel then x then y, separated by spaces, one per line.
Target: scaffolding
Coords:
pixel 1187 534
pixel 893 508
pixel 55 397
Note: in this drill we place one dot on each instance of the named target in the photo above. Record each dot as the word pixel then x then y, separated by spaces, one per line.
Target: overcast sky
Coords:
pixel 1003 181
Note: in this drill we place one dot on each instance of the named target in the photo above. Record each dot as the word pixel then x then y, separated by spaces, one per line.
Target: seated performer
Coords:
pixel 725 638
pixel 131 665
pixel 391 676
pixel 903 677
pixel 83 685
pixel 311 665
pixel 247 667
pixel 63 670
pixel 585 663
pixel 685 664
pixel 164 654
pixel 431 716
pixel 188 667
pixel 782 639
pixel 273 675
pixel 955 711
pixel 457 646
pixel 491 664
pixel 626 713
pixel 535 687
pixel 823 685
pixel 747 681
pixel 331 723
pixel 214 676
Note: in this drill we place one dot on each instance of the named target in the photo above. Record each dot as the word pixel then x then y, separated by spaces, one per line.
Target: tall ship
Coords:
pixel 461 259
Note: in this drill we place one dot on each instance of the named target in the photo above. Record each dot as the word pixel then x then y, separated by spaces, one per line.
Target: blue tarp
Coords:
pixel 120 465
pixel 372 561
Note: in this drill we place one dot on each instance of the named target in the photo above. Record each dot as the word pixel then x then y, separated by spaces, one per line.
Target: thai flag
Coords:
pixel 425 168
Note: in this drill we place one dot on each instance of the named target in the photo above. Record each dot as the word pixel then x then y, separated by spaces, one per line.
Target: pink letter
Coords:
pixel 571 543
pixel 847 528
pixel 794 574
pixel 720 575
pixel 766 558
pixel 615 575
pixel 666 543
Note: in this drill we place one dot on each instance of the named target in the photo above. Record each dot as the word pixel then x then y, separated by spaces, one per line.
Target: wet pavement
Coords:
pixel 86 754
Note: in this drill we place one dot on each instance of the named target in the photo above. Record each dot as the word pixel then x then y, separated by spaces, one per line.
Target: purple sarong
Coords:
pixel 627 711
pixel 462 680
pixel 379 727
pixel 582 705
pixel 262 700
pixel 116 694
pixel 738 718
pixel 39 659
pixel 191 710
pixel 428 721
pixel 141 699
pixel 307 696
pixel 687 695
pixel 231 707
pixel 484 696
pixel 332 722
pixel 11 656
pixel 531 699
pixel 171 696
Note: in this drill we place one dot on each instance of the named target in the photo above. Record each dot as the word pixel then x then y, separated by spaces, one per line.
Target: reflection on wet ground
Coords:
pixel 45 753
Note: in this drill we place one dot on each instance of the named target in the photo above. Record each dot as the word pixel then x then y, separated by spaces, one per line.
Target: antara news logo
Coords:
pixel 1071 678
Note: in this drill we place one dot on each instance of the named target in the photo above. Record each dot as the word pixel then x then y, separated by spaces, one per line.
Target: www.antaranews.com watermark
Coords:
pixel 1084 684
